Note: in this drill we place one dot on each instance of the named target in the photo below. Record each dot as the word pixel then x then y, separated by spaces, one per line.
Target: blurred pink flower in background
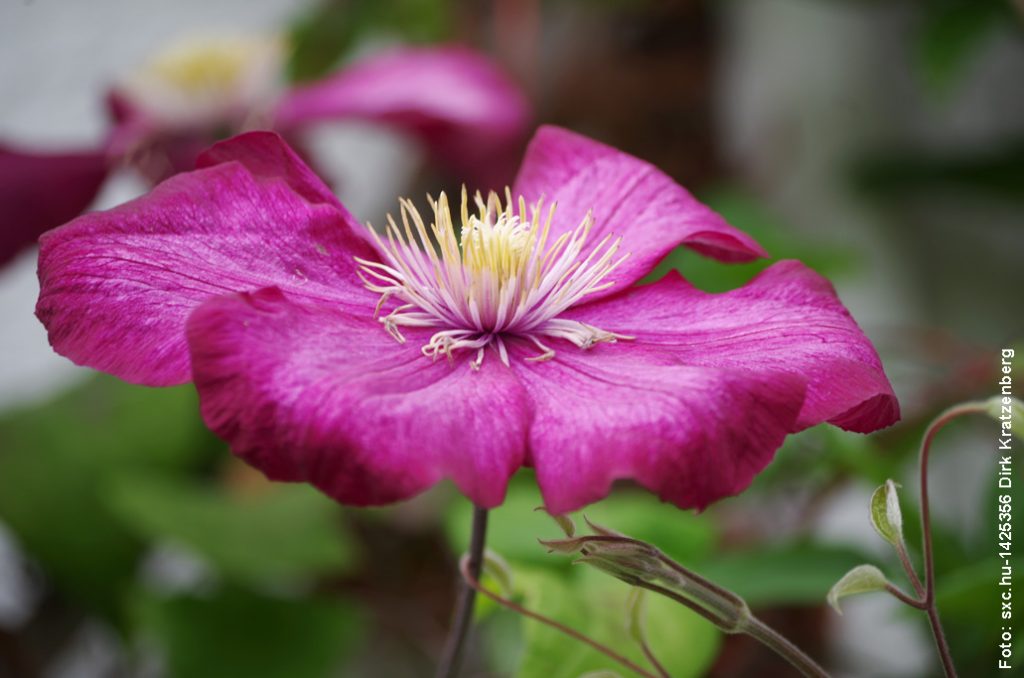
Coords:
pixel 458 103
pixel 373 366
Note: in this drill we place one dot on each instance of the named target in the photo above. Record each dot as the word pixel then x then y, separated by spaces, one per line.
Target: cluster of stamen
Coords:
pixel 498 278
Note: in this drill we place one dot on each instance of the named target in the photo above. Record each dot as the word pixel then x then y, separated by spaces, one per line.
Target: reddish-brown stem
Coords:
pixel 653 659
pixel 926 530
pixel 474 583
pixel 908 567
pixel 451 660
pixel 639 633
pixel 904 598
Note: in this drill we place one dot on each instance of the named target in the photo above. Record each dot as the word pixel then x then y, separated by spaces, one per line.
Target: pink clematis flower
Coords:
pixel 501 334
pixel 202 90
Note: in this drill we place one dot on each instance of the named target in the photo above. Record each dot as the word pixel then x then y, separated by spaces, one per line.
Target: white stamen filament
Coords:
pixel 498 279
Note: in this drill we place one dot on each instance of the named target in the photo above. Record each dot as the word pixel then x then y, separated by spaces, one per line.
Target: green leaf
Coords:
pixel 514 527
pixel 283 532
pixel 886 517
pixel 322 37
pixel 236 633
pixel 798 573
pixel 861 579
pixel 596 605
pixel 55 459
pixel 816 457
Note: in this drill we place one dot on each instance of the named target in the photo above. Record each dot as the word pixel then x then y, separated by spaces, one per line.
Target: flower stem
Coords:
pixel 783 647
pixel 451 660
pixel 926 530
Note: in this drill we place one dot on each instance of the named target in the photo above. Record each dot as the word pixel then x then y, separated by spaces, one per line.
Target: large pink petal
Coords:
pixel 629 198
pixel 690 434
pixel 467 111
pixel 787 319
pixel 39 191
pixel 117 286
pixel 308 392
pixel 268 158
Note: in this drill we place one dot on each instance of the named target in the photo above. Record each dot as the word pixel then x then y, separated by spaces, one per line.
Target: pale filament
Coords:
pixel 498 278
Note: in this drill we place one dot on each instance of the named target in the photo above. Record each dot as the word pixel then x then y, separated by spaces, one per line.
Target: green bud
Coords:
pixel 1009 412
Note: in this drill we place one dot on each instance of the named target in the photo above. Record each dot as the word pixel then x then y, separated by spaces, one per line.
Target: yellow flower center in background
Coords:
pixel 206 64
pixel 210 81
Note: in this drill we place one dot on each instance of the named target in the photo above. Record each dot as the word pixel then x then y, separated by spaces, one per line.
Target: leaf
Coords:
pixel 237 633
pixel 861 579
pixel 515 527
pixel 798 573
pixel 281 532
pixel 55 459
pixel 596 605
pixel 886 517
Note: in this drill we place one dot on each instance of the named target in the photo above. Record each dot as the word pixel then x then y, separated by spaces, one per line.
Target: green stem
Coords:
pixel 784 648
pixel 753 627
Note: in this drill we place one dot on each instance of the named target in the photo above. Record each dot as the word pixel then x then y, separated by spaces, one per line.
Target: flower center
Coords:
pixel 499 278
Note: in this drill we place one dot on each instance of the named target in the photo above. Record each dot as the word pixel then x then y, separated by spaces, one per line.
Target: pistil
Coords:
pixel 498 278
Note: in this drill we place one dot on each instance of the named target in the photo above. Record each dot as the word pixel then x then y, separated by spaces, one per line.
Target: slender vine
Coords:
pixel 928 599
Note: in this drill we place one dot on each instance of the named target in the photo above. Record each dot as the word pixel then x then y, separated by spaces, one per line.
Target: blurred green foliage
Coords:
pixel 747 213
pixel 294 529
pixel 322 37
pixel 595 604
pixel 796 573
pixel 57 460
pixel 515 526
pixel 899 174
pixel 239 633
pixel 952 32
pixel 91 482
